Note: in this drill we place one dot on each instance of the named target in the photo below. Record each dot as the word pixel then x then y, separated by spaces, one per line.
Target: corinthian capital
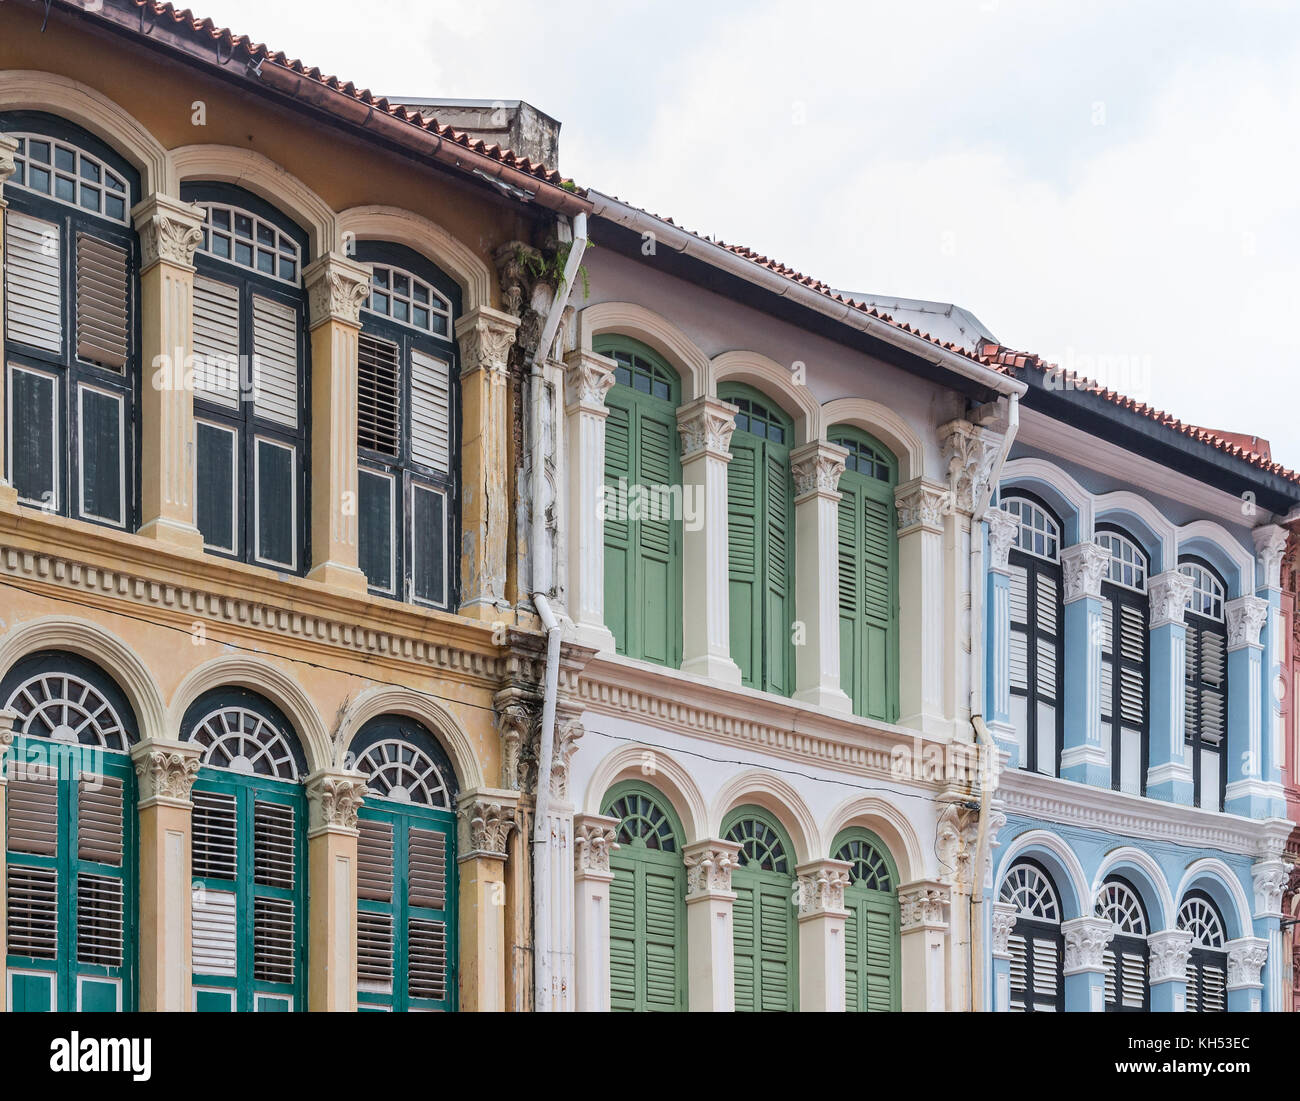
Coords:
pixel 816 468
pixel 165 771
pixel 8 147
pixel 1168 593
pixel 593 841
pixel 333 799
pixel 485 336
pixel 1003 528
pixel 487 818
pixel 1270 878
pixel 588 377
pixel 706 425
pixel 1084 566
pixel 921 504
pixel 708 867
pixel 1246 618
pixel 1246 959
pixel 169 230
pixel 1004 920
pixel 336 289
pixel 1170 951
pixel 923 905
pixel 1270 544
pixel 1086 939
pixel 821 887
pixel 970 453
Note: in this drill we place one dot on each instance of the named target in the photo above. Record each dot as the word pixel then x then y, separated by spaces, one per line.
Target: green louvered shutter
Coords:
pixel 745 520
pixel 850 570
pixel 622 936
pixel 852 985
pixel 663 938
pixel 879 948
pixel 778 560
pixel 765 955
pixel 660 599
pixel 776 939
pixel 743 932
pixel 618 531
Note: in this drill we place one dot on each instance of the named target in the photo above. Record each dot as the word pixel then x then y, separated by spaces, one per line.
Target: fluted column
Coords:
pixel 1086 939
pixel 822 920
pixel 923 925
pixel 485 336
pixel 710 938
pixel 8 494
pixel 588 378
pixel 1270 545
pixel 1083 757
pixel 1270 877
pixel 1246 959
pixel 1167 970
pixel 1003 920
pixel 333 799
pixel 816 468
pixel 6 740
pixel 593 841
pixel 1002 529
pixel 1169 776
pixel 1247 792
pixel 336 289
pixel 487 819
pixel 922 507
pixel 169 233
pixel 706 425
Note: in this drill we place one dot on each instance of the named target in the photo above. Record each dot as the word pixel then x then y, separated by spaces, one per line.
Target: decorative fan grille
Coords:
pixel 241 740
pixel 1031 892
pixel 1200 919
pixel 399 770
pixel 66 708
pixel 870 869
pixel 642 820
pixel 760 846
pixel 1120 903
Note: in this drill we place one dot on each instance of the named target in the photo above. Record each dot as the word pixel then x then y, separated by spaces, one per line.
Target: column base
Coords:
pixel 826 699
pixel 1181 792
pixel 1086 765
pixel 713 667
pixel 339 577
pixel 933 726
pixel 174 533
pixel 601 639
pixel 8 498
pixel 1254 799
pixel 1245 999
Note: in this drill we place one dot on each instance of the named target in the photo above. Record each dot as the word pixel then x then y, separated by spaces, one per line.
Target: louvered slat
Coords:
pixel 1045 955
pixel 430 411
pixel 99 819
pixel 426 958
pixel 33 816
pixel 655 469
pixel 379 415
pixel 33 282
pixel 216 341
pixel 99 920
pixel 213 931
pixel 1019 967
pixel 427 868
pixel 273 844
pixel 273 939
pixel 214 835
pixel 275 344
pixel 1133 971
pixel 375 860
pixel 622 939
pixel 103 296
pixel 375 952
pixel 32 909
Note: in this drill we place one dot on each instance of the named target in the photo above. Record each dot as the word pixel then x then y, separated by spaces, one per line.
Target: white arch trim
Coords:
pixel 774 380
pixel 392 700
pixel 31 90
pixel 886 820
pixel 628 762
pixel 1024 472
pixel 1216 533
pixel 105 650
pixel 1124 500
pixel 458 260
pixel 257 675
pixel 629 319
pixel 1209 867
pixel 1117 860
pixel 883 423
pixel 775 795
pixel 263 177
pixel 1026 844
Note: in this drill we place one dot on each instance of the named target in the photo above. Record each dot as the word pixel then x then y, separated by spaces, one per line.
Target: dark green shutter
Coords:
pixel 871 934
pixel 619 580
pixel 779 558
pixel 764 932
pixel 744 524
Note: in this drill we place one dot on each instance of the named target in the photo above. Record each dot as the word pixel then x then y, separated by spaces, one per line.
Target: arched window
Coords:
pixel 250 380
pixel 247 855
pixel 868 569
pixel 1037 635
pixel 70 838
pixel 1207 969
pixel 763 917
pixel 1206 683
pixel 647 909
pixel 1124 660
pixel 1037 946
pixel 71 324
pixel 760 541
pixel 408 425
pixel 643 504
pixel 1127 955
pixel 871 935
pixel 406 869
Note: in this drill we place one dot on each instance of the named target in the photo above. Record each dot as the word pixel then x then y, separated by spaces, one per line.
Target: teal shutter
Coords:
pixel 619 558
pixel 744 524
pixel 778 560
pixel 659 465
pixel 878 955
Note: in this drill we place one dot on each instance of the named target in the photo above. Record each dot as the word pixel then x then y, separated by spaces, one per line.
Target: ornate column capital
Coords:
pixel 816 468
pixel 921 504
pixel 333 798
pixel 1084 566
pixel 1246 618
pixel 1270 545
pixel 706 425
pixel 969 452
pixel 165 771
pixel 588 377
pixel 169 230
pixel 518 718
pixel 1271 878
pixel 485 336
pixel 567 733
pixel 1003 920
pixel 923 905
pixel 1246 959
pixel 1170 950
pixel 1003 529
pixel 8 147
pixel 1168 593
pixel 593 841
pixel 337 287
pixel 1086 939
pixel 708 868
pixel 6 738
pixel 821 888
pixel 487 818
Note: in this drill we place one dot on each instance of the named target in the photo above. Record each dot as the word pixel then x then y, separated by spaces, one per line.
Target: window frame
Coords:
pixel 862 901
pixel 1026 926
pixel 1204 956
pixel 1121 595
pixel 1200 622
pixel 1136 943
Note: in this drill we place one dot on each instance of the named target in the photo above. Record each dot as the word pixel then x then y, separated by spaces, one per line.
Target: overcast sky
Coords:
pixel 1112 185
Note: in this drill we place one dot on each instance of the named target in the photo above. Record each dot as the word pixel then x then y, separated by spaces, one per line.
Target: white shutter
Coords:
pixel 213 835
pixel 213 933
pixel 32 911
pixel 375 952
pixel 1133 979
pixel 99 819
pixel 430 411
pixel 273 937
pixel 375 860
pixel 273 844
pixel 1045 957
pixel 1214 988
pixel 216 341
pixel 103 297
pixel 33 816
pixel 1019 970
pixel 275 370
pixel 33 282
pixel 426 958
pixel 427 868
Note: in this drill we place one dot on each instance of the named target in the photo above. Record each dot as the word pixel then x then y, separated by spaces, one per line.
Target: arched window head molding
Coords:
pixel 1059 859
pixel 388 223
pixel 628 319
pixel 256 675
pixel 778 798
pixel 774 380
pixel 90 641
pixel 1144 522
pixel 1221 883
pixel 266 179
pixel 1146 876
pixel 1067 498
pixel 388 700
pixel 885 425
pixel 1215 544
pixel 30 90
pixel 889 824
pixel 655 767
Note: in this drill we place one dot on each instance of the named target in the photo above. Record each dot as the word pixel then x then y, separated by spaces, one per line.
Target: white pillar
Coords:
pixel 593 840
pixel 588 378
pixel 1003 920
pixel 710 943
pixel 923 921
pixel 817 467
pixel 1086 940
pixel 1169 952
pixel 706 425
pixel 1246 959
pixel 822 921
pixel 921 509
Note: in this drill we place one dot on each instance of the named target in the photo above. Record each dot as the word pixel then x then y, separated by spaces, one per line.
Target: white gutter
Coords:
pixel 666 235
pixel 542 578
